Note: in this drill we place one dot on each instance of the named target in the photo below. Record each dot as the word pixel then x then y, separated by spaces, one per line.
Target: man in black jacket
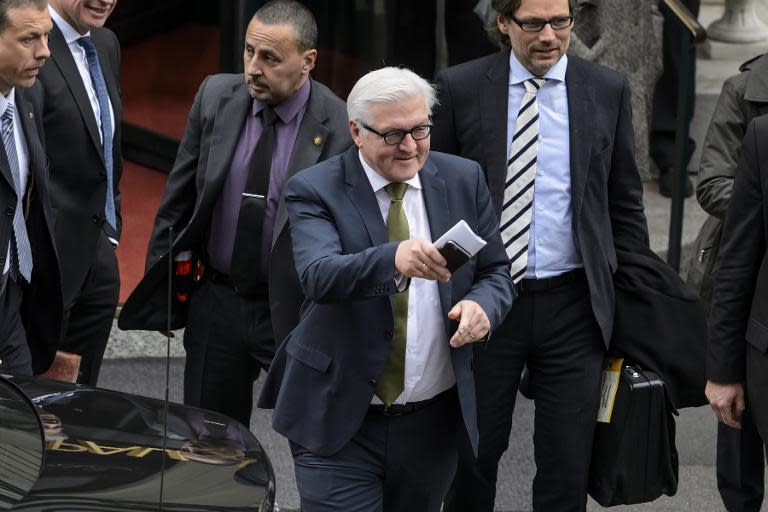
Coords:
pixel 738 332
pixel 30 296
pixel 81 113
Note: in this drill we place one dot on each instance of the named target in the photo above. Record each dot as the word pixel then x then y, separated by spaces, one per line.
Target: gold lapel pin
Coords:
pixel 317 141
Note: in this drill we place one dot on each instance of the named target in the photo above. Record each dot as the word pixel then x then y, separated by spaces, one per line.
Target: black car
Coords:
pixel 73 448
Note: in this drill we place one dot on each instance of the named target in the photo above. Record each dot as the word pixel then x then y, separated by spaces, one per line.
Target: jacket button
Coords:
pixel 372 382
pixel 95 219
pixel 388 335
pixel 10 211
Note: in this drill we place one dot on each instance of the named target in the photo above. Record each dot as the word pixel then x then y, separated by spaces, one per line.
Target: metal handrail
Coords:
pixel 687 19
pixel 695 34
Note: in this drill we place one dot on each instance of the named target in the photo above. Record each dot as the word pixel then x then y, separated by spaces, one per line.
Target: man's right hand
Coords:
pixel 419 258
pixel 727 401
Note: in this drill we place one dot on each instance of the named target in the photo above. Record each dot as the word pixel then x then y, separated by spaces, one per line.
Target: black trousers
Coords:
pixel 393 464
pixel 14 351
pixel 740 466
pixel 88 317
pixel 228 340
pixel 664 115
pixel 556 335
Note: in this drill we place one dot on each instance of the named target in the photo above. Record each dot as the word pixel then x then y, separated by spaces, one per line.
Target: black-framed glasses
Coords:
pixel 559 23
pixel 393 137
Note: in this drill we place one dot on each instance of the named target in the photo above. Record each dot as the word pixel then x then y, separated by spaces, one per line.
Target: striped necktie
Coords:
pixel 521 174
pixel 21 252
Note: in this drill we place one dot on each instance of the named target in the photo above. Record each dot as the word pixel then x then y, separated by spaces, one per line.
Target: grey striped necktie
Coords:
pixel 21 253
pixel 521 174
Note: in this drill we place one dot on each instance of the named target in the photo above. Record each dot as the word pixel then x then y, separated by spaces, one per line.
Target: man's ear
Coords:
pixel 503 24
pixel 354 130
pixel 309 56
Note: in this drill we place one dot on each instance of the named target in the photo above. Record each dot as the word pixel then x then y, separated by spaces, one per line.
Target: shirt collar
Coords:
pixel 378 181
pixel 519 74
pixel 290 107
pixel 7 100
pixel 70 34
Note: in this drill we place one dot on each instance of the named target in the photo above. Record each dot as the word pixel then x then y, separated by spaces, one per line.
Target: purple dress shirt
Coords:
pixel 221 239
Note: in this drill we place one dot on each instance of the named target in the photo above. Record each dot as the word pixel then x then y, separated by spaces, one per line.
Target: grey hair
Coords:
pixel 7 5
pixel 387 85
pixel 291 12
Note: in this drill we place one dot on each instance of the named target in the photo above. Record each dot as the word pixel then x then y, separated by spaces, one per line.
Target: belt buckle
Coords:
pixel 389 411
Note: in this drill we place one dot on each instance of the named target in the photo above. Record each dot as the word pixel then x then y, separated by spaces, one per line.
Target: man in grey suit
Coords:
pixel 365 388
pixel 244 138
pixel 554 136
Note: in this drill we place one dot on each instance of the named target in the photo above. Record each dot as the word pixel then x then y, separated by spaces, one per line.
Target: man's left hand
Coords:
pixel 473 323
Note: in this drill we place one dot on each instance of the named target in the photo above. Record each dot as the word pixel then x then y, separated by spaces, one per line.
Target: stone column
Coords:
pixel 740 24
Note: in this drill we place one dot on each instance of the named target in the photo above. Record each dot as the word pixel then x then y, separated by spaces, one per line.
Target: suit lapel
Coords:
pixel 29 127
pixel 361 194
pixel 63 59
pixel 439 215
pixel 580 101
pixel 493 116
pixel 310 142
pixel 230 120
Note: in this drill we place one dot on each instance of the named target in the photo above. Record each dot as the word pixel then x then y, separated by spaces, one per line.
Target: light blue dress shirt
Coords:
pixel 551 246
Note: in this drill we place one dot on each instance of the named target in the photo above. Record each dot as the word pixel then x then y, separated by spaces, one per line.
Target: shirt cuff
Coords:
pixel 401 282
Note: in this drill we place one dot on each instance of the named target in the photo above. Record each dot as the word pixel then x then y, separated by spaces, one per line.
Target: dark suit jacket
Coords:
pixel 41 308
pixel 195 183
pixel 77 169
pixel 739 312
pixel 324 374
pixel 606 192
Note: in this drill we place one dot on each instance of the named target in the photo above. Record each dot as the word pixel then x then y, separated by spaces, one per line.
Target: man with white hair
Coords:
pixel 370 387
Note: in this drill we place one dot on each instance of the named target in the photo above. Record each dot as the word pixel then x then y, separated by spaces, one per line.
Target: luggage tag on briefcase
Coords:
pixel 608 387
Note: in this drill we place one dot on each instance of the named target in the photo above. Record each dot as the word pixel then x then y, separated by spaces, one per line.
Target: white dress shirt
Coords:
pixel 428 366
pixel 22 154
pixel 78 53
pixel 551 245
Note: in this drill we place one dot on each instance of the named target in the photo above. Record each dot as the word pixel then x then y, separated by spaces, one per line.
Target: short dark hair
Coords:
pixel 291 12
pixel 508 8
pixel 7 5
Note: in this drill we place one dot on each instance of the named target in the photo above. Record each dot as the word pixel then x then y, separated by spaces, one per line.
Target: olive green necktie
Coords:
pixel 392 380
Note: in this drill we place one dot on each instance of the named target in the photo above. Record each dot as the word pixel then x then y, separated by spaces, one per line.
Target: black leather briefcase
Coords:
pixel 634 459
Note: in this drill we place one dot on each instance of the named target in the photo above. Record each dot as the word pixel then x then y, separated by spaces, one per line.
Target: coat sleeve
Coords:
pixel 741 251
pixel 493 288
pixel 327 275
pixel 721 150
pixel 625 190
pixel 180 194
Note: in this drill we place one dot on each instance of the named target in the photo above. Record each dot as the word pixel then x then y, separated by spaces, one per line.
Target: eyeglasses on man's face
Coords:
pixel 394 137
pixel 559 23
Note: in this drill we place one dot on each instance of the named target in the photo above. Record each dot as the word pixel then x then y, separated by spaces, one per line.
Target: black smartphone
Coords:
pixel 454 254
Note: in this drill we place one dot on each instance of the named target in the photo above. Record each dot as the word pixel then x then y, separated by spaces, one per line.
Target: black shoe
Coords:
pixel 667 185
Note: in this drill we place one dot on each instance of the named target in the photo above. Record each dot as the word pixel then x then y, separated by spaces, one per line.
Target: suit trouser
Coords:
pixel 14 351
pixel 393 464
pixel 740 466
pixel 88 317
pixel 664 115
pixel 555 334
pixel 756 389
pixel 228 340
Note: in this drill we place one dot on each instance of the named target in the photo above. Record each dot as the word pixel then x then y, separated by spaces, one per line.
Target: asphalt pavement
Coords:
pixel 695 442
